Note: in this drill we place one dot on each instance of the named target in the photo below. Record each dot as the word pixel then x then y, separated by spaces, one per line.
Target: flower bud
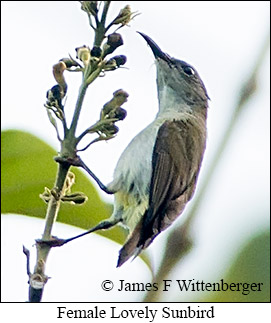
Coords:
pixel 120 97
pixel 70 180
pixel 110 129
pixel 83 53
pixel 117 113
pixel 91 7
pixel 69 62
pixel 96 52
pixel 75 198
pixel 120 60
pixel 115 62
pixel 55 96
pixel 46 195
pixel 124 16
pixel 120 113
pixel 55 93
pixel 113 41
pixel 58 70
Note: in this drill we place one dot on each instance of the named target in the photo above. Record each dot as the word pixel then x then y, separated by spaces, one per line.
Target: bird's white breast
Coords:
pixel 134 166
pixel 132 177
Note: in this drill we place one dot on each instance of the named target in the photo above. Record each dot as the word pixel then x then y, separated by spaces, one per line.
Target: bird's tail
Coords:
pixel 132 246
pixel 140 239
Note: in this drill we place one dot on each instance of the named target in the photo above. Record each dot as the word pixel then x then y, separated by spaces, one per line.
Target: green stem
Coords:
pixel 100 29
pixel 78 107
pixel 38 279
pixel 99 35
pixel 104 14
pixel 53 205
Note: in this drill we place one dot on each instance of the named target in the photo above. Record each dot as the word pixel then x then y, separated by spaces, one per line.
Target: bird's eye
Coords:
pixel 188 70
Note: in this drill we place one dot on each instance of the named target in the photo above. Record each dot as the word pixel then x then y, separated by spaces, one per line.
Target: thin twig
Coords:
pixel 91 143
pixel 27 254
pixel 105 10
pixel 96 127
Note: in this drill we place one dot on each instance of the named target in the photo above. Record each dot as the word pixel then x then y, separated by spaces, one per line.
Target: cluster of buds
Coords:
pixel 57 92
pixel 113 112
pixel 68 196
pixel 124 17
pixel 73 198
pixel 90 7
pixel 94 63
pixel 113 42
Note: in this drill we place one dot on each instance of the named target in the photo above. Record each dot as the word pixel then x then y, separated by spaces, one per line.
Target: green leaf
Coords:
pixel 28 167
pixel 251 266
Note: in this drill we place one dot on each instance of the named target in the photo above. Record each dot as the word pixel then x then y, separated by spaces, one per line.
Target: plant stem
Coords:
pixel 100 30
pixel 53 206
pixel 68 148
pixel 38 279
pixel 78 107
pixel 104 14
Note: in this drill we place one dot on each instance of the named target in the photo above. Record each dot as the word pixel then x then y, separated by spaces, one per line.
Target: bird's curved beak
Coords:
pixel 157 52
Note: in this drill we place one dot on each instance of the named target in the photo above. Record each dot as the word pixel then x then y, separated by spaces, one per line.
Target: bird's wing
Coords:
pixel 172 183
pixel 171 176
